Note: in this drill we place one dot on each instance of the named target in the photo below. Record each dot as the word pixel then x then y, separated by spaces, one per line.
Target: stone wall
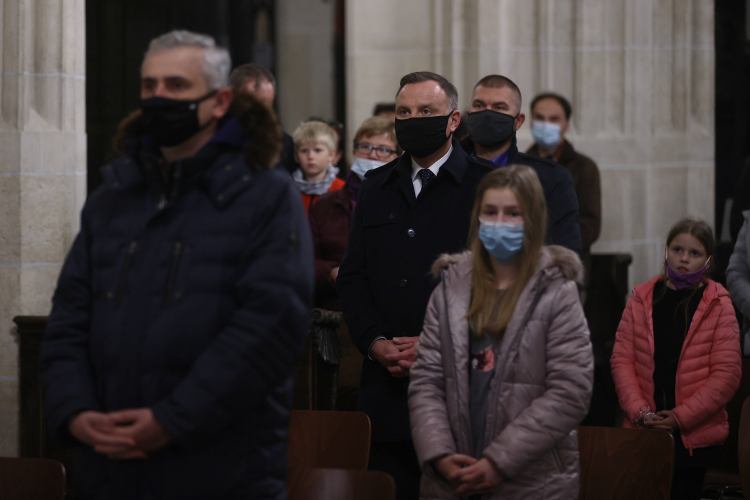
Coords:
pixel 42 168
pixel 639 75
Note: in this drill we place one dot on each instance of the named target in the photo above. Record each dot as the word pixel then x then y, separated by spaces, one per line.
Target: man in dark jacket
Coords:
pixel 259 81
pixel 181 309
pixel 494 117
pixel 550 119
pixel 409 212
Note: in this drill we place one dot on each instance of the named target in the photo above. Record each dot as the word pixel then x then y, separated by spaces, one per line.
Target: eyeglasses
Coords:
pixel 381 152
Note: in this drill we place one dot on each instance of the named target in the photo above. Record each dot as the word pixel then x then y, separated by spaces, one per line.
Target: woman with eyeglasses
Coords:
pixel 374 146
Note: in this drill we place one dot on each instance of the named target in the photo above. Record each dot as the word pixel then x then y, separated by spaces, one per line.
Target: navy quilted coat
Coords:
pixel 190 297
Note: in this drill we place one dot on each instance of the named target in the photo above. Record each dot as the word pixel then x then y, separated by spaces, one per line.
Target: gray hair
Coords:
pixel 216 60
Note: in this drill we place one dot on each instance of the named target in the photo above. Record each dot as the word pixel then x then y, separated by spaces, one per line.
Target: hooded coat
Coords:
pixel 540 391
pixel 191 298
pixel 708 372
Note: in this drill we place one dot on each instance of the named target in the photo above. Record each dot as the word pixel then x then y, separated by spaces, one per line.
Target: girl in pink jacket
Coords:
pixel 676 360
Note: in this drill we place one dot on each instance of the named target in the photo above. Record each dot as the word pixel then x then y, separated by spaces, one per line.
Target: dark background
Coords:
pixel 732 100
pixel 117 35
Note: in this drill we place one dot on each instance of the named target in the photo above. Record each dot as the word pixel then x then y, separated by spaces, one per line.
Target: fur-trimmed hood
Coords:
pixel 554 258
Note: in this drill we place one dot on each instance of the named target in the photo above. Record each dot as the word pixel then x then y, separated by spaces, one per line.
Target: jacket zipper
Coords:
pixel 176 253
pixel 453 361
pixel 125 272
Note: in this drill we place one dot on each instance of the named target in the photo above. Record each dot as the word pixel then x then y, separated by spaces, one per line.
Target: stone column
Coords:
pixel 42 168
pixel 640 77
pixel 305 60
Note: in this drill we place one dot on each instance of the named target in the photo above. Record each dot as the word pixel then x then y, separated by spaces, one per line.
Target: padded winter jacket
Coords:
pixel 540 391
pixel 708 372
pixel 191 299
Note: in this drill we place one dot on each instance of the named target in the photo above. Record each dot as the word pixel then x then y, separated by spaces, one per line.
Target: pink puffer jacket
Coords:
pixel 708 372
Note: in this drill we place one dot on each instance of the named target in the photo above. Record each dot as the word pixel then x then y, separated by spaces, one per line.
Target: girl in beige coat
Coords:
pixel 504 367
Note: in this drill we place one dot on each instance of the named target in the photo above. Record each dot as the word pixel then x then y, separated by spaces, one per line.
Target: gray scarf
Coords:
pixel 315 188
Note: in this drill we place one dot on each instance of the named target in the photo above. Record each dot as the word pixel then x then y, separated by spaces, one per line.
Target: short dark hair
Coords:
pixel 251 71
pixel 557 97
pixel 382 107
pixel 429 76
pixel 501 82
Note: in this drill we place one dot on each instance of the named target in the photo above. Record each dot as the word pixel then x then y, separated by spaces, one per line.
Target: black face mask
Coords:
pixel 489 128
pixel 170 122
pixel 420 137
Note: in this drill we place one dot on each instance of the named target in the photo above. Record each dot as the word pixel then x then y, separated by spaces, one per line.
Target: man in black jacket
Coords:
pixel 494 117
pixel 181 310
pixel 408 213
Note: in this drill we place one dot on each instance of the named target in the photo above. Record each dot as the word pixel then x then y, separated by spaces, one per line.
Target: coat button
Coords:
pixel 402 283
pixel 392 216
pixel 411 233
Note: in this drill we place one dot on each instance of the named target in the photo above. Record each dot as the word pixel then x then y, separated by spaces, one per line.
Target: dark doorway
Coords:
pixel 732 43
pixel 117 34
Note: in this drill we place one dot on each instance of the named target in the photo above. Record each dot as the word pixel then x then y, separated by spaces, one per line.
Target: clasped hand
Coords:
pixel 123 434
pixel 397 355
pixel 469 476
pixel 663 420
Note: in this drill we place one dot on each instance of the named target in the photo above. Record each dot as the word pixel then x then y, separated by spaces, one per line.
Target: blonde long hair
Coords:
pixel 484 317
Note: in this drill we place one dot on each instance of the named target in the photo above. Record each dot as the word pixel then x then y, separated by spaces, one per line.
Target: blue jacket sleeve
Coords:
pixel 257 352
pixel 361 316
pixel 66 376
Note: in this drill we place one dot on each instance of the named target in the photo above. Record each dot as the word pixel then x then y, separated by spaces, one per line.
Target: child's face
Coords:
pixel 313 159
pixel 686 254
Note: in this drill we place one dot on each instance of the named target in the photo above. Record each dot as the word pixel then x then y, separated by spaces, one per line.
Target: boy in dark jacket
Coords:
pixel 182 307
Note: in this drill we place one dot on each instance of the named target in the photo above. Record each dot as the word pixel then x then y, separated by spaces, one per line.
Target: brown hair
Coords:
pixel 524 183
pixel 261 128
pixel 377 125
pixel 251 71
pixel 428 76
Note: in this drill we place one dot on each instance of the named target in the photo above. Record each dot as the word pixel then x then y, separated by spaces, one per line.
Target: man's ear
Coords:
pixel 453 122
pixel 223 101
pixel 519 120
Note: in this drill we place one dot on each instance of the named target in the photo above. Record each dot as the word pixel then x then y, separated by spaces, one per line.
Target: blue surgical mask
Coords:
pixel 503 240
pixel 546 134
pixel 363 165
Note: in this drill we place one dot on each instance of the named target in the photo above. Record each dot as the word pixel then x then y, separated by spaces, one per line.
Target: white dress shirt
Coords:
pixel 434 168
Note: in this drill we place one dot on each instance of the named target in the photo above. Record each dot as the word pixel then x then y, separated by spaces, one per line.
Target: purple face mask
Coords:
pixel 682 281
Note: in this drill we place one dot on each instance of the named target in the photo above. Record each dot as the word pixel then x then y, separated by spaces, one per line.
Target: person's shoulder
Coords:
pixel 583 161
pixel 336 184
pixel 376 176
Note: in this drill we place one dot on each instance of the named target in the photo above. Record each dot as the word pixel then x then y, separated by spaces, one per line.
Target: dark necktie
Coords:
pixel 426 175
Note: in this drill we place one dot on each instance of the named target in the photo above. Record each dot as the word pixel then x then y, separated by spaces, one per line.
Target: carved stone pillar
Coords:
pixel 42 168
pixel 639 76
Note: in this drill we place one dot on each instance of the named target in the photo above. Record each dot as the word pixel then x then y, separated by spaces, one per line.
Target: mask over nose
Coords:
pixel 503 240
pixel 489 128
pixel 546 134
pixel 170 122
pixel 682 281
pixel 420 137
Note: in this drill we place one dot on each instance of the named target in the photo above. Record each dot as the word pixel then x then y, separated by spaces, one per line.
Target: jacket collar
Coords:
pixel 142 164
pixel 456 165
pixel 468 146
